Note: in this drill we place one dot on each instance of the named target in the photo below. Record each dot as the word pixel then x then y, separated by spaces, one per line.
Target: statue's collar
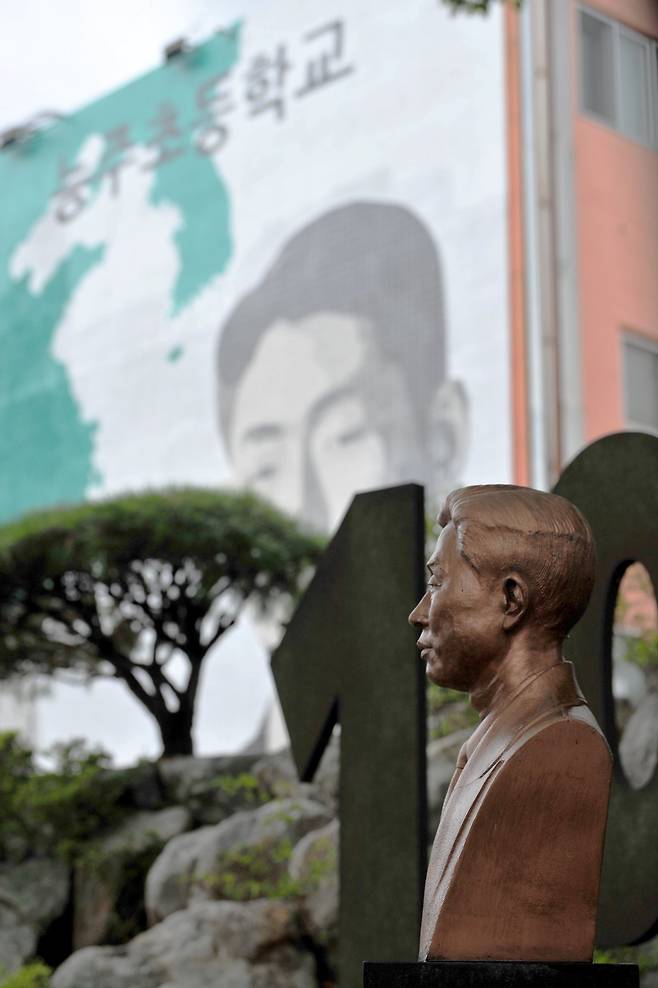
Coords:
pixel 510 708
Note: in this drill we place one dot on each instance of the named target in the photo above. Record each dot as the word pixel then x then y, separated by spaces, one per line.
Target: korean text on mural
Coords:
pixel 266 86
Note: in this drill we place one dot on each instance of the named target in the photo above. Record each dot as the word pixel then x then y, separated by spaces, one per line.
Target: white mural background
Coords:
pixel 419 122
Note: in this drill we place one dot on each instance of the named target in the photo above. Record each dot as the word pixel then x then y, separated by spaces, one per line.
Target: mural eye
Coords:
pixel 264 473
pixel 351 436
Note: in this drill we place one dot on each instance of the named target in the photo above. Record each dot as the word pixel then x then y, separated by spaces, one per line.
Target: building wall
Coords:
pixel 616 192
pixel 302 288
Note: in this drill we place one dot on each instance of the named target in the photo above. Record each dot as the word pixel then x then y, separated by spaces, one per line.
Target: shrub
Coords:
pixel 54 812
pixel 35 975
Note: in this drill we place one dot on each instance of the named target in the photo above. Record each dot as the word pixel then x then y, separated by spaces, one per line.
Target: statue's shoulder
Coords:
pixel 559 736
pixel 554 775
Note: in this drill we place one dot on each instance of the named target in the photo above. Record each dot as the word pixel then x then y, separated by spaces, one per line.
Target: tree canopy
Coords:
pixel 121 587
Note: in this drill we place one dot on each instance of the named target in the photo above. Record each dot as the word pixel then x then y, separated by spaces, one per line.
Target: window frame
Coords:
pixel 649 346
pixel 650 46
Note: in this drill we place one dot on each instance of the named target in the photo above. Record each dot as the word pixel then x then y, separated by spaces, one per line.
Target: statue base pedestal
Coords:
pixel 498 974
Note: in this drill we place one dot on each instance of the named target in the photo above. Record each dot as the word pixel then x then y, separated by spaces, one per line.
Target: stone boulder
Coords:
pixel 232 944
pixel 638 748
pixel 277 774
pixel 277 777
pixel 109 882
pixel 212 788
pixel 32 895
pixel 18 937
pixel 244 857
pixel 144 789
pixel 314 869
pixel 327 778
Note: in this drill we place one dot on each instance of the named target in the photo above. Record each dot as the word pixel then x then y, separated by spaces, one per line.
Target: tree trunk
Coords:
pixel 176 731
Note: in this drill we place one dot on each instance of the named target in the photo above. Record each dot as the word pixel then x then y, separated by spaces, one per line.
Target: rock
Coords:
pixel 144 790
pixel 109 884
pixel 235 945
pixel 183 776
pixel 278 779
pixel 212 788
pixel 243 857
pixel 103 967
pixel 327 778
pixel 277 773
pixel 638 748
pixel 314 867
pixel 142 830
pixel 172 874
pixel 18 939
pixel 646 955
pixel 32 895
pixel 38 887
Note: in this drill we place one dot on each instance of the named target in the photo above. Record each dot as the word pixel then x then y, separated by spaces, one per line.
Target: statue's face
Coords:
pixel 319 413
pixel 460 619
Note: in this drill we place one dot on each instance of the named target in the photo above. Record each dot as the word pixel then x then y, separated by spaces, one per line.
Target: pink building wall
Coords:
pixel 616 195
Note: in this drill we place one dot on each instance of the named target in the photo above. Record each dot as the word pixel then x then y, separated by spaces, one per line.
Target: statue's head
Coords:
pixel 510 561
pixel 332 370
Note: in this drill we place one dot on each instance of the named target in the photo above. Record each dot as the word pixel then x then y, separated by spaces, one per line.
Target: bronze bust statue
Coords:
pixel 515 866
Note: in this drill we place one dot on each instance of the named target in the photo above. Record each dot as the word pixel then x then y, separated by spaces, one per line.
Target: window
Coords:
pixel 597 67
pixel 634 88
pixel 619 77
pixel 641 384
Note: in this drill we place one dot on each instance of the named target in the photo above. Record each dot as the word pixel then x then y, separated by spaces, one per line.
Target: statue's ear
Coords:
pixel 515 599
pixel 447 437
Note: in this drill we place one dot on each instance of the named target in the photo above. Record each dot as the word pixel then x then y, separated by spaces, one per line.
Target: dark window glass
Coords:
pixel 641 385
pixel 598 92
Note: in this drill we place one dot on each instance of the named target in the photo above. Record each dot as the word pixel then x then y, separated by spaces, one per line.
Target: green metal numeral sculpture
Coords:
pixel 614 482
pixel 349 655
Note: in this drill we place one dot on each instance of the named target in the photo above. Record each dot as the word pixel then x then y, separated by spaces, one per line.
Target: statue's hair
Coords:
pixel 544 537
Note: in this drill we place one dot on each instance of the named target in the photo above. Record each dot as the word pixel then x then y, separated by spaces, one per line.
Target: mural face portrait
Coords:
pixel 332 370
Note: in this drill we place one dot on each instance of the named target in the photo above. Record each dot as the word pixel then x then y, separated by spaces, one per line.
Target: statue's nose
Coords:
pixel 418 617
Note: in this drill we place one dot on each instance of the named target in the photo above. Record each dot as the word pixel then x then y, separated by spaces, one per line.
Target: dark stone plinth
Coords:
pixel 505 974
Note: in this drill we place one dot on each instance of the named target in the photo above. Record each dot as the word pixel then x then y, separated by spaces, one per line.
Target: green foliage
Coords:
pixel 635 617
pixel 261 873
pixel 54 812
pixel 321 862
pixel 643 651
pixel 644 955
pixel 119 587
pixel 438 697
pixel 253 873
pixel 243 785
pixel 448 711
pixel 35 975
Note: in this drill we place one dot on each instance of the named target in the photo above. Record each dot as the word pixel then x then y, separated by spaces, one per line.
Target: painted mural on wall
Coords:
pixel 278 260
pixel 332 370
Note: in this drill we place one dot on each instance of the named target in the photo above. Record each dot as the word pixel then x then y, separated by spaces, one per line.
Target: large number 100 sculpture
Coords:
pixel 349 656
